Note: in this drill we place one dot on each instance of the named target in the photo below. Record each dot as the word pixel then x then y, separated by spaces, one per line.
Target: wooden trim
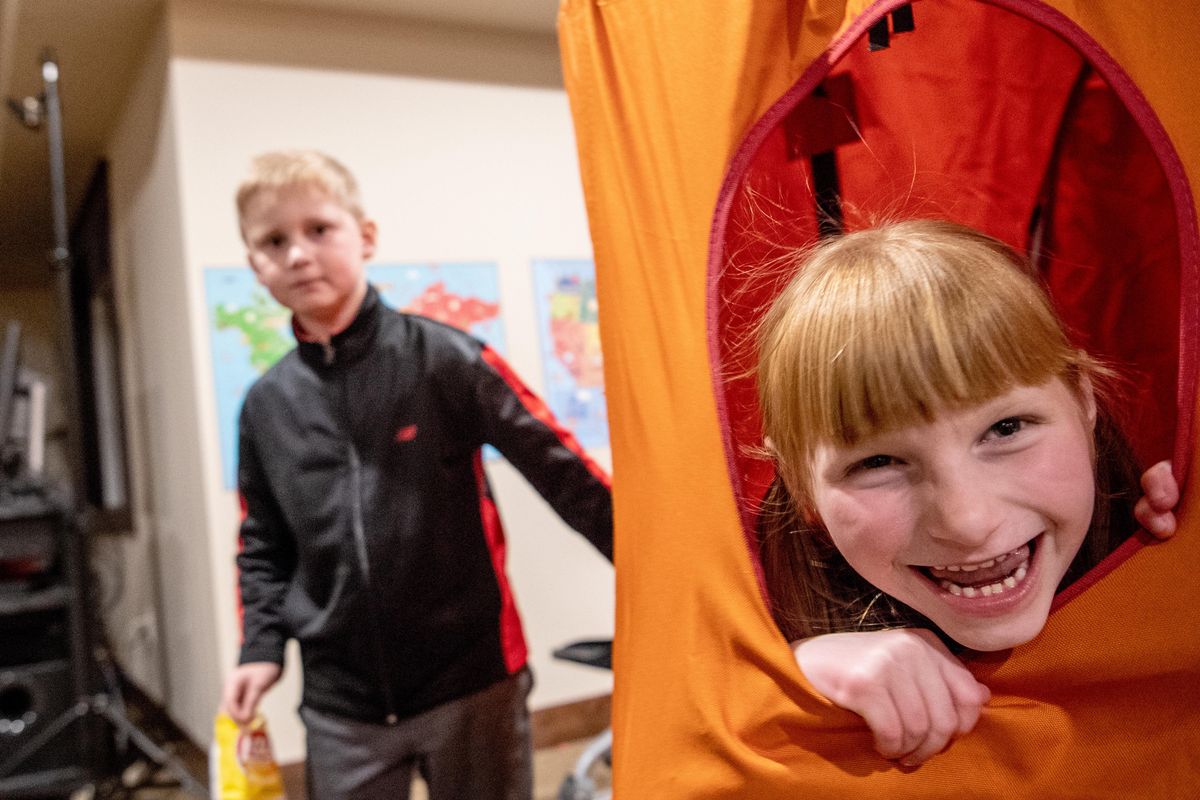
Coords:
pixel 569 722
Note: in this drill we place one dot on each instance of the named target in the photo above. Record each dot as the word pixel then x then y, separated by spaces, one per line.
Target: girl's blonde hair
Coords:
pixel 280 168
pixel 884 328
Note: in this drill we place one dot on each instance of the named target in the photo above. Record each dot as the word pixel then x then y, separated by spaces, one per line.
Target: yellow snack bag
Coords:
pixel 241 764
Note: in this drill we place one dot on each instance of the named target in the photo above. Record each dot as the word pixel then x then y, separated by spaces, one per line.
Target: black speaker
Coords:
pixel 43 661
pixel 33 698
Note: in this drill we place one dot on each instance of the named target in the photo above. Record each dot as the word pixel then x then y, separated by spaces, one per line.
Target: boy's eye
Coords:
pixel 320 229
pixel 273 240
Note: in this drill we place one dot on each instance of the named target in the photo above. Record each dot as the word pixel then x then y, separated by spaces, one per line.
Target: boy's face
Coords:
pixel 309 252
pixel 971 519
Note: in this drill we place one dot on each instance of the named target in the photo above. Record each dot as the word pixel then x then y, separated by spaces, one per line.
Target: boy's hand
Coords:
pixel 245 686
pixel 913 693
pixel 1154 511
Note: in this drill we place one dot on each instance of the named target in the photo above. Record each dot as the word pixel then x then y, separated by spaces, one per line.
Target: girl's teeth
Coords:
pixel 991 562
pixel 987 590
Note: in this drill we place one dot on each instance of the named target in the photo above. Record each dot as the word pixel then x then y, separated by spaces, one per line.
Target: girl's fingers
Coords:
pixel 896 720
pixel 920 714
pixel 969 697
pixel 1158 523
pixel 1160 486
pixel 941 715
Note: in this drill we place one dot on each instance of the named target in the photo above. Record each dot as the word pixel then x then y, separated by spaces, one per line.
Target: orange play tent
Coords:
pixel 714 137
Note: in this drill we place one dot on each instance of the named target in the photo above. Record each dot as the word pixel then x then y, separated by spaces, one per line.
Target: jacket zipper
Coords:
pixel 364 561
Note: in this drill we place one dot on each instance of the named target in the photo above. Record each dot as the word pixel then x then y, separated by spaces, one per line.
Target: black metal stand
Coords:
pixel 72 592
pixel 100 705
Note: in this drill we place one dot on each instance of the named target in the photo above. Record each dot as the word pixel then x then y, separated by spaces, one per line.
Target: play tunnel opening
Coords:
pixel 1004 116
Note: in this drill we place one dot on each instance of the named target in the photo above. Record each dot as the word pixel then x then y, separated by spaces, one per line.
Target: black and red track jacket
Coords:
pixel 370 534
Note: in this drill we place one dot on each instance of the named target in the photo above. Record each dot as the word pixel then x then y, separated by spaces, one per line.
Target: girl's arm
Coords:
pixel 913 693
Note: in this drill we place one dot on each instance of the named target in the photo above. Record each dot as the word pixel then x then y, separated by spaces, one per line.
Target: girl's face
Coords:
pixel 972 519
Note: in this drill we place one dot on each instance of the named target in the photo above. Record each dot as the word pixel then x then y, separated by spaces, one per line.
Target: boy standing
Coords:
pixel 370 534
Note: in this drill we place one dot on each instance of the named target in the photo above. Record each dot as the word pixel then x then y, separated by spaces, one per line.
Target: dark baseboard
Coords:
pixel 570 722
pixel 295 783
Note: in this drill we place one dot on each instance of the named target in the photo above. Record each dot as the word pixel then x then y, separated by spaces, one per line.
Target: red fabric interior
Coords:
pixel 985 118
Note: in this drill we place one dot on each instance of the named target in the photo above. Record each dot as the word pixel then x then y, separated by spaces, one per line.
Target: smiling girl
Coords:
pixel 946 466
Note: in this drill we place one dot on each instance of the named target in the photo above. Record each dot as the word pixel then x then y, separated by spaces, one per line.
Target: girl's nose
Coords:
pixel 964 509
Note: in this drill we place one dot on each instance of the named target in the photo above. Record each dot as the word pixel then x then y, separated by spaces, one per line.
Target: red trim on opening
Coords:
pixel 538 408
pixel 1111 562
pixel 512 638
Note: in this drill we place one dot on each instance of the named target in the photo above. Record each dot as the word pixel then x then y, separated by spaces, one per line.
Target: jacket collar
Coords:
pixel 349 345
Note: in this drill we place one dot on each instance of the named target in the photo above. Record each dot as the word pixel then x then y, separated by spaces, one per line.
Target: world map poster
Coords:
pixel 249 331
pixel 570 337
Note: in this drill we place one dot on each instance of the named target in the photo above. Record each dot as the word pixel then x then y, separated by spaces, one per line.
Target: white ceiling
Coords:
pixel 96 44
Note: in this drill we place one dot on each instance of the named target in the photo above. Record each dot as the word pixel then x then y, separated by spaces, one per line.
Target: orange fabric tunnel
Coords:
pixel 716 137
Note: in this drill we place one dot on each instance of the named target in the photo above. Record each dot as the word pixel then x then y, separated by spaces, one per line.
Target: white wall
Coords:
pixel 463 146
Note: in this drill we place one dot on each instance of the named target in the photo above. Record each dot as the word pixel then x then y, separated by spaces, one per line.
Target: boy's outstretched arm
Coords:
pixel 913 693
pixel 520 425
pixel 1155 510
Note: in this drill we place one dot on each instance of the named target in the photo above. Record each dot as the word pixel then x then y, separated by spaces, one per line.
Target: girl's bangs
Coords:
pixel 905 360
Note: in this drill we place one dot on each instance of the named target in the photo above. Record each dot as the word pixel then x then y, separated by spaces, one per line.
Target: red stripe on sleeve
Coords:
pixel 237 583
pixel 538 408
pixel 512 638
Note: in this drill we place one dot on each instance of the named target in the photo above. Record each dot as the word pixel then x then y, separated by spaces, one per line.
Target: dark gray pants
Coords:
pixel 473 748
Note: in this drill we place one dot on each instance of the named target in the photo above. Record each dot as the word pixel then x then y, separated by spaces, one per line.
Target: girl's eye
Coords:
pixel 1009 426
pixel 274 240
pixel 320 229
pixel 873 462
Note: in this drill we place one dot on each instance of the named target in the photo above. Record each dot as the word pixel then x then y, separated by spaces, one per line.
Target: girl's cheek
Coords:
pixel 865 526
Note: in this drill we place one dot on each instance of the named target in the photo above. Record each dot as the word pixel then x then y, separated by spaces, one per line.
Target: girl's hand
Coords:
pixel 1154 511
pixel 913 693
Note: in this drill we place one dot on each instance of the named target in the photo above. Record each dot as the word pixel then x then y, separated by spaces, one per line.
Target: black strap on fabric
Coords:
pixel 827 193
pixel 902 22
pixel 877 36
pixel 827 190
pixel 902 19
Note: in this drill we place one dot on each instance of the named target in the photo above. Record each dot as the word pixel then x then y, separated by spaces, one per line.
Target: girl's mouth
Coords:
pixel 995 576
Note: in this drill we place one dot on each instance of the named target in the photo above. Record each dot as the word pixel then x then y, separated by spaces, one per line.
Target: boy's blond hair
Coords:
pixel 279 168
pixel 885 327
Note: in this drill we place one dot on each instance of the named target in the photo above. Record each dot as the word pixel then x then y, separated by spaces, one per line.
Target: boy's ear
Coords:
pixel 369 233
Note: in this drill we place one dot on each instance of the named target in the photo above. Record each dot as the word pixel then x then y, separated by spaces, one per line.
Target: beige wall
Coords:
pixel 173 521
pixel 462 142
